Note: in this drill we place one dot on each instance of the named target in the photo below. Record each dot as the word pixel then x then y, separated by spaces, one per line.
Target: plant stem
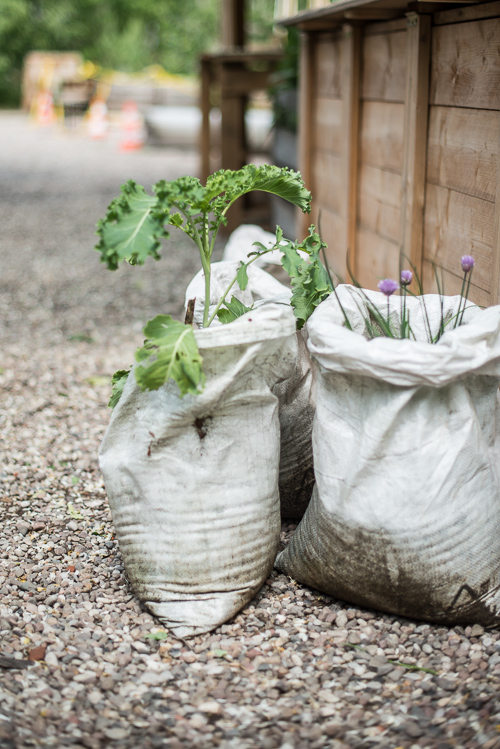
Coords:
pixel 228 289
pixel 206 306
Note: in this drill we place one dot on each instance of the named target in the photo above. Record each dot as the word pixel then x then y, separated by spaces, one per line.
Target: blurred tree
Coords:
pixel 122 34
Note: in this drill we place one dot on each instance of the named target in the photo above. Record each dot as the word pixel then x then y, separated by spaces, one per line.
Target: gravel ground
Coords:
pixel 295 669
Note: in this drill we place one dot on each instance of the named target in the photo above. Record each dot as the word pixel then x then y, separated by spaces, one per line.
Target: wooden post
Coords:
pixel 351 67
pixel 495 280
pixel 205 140
pixel 415 144
pixel 233 23
pixel 306 98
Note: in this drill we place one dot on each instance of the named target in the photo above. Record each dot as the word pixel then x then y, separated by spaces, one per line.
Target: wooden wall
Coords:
pixel 381 137
pixel 399 143
pixel 326 145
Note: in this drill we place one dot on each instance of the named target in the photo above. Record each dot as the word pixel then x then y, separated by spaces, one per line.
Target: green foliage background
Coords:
pixel 125 35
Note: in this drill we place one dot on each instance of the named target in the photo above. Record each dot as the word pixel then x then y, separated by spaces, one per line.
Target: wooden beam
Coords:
pixel 351 69
pixel 305 120
pixel 233 23
pixel 415 145
pixel 495 280
pixel 371 14
pixel 205 140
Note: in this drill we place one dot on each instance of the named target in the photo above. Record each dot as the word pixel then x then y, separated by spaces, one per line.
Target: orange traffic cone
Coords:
pixel 132 127
pixel 44 108
pixel 98 119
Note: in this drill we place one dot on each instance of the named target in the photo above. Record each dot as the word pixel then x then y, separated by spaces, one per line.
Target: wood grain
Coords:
pixel 332 231
pixel 378 258
pixel 382 125
pixel 462 150
pixel 328 66
pixel 465 70
pixel 384 67
pixel 469 13
pixel 415 137
pixel 306 94
pixel 379 199
pixel 451 284
pixel 327 182
pixel 351 55
pixel 327 125
pixel 457 224
pixel 384 27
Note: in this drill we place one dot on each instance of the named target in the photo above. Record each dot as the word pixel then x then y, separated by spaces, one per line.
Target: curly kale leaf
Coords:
pixel 118 383
pixel 310 281
pixel 170 352
pixel 232 310
pixel 132 228
pixel 226 186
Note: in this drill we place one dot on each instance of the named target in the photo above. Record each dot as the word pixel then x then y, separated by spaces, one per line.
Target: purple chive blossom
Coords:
pixel 406 277
pixel 468 263
pixel 388 286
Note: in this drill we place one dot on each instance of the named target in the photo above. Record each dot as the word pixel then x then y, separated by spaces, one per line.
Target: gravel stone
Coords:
pixel 295 669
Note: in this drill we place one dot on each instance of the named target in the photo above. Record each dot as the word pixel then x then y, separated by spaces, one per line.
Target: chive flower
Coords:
pixel 406 277
pixel 468 263
pixel 388 286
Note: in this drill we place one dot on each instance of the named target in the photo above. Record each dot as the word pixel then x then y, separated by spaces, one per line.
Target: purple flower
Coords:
pixel 468 263
pixel 406 277
pixel 388 286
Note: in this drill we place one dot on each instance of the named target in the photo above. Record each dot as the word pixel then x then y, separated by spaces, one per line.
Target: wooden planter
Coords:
pixel 399 138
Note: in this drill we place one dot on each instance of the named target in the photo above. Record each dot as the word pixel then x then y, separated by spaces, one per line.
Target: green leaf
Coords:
pixel 74 513
pixel 170 352
pixel 132 228
pixel 232 310
pixel 219 653
pixel 157 636
pixel 310 281
pixel 242 276
pixel 118 383
pixel 226 186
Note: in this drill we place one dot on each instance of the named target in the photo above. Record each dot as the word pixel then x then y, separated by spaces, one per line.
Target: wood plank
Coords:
pixel 305 112
pixel 457 224
pixel 415 137
pixel 382 127
pixel 385 27
pixel 328 66
pixel 206 81
pixel 379 200
pixel 377 258
pixel 235 80
pixel 462 150
pixel 470 13
pixel 327 180
pixel 451 284
pixel 384 67
pixel 495 278
pixel 381 184
pixel 465 68
pixel 379 217
pixel 351 57
pixel 331 227
pixel 327 125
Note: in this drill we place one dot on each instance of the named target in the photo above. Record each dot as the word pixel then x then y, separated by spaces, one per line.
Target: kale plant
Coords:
pixel 132 231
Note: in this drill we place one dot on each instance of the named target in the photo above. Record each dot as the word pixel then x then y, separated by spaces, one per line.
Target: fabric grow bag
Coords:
pixel 193 482
pixel 296 394
pixel 405 515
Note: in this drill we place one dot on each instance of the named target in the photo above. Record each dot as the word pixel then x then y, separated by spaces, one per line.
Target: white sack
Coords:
pixel 405 515
pixel 261 285
pixel 193 482
pixel 296 394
